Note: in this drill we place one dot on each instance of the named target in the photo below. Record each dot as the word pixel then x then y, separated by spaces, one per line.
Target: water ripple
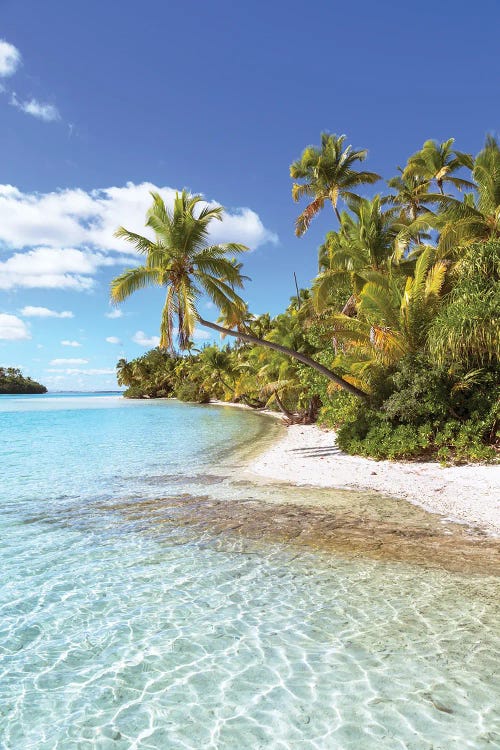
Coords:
pixel 124 624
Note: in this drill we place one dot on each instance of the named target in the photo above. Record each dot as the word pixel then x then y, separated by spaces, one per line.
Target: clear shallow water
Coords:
pixel 116 632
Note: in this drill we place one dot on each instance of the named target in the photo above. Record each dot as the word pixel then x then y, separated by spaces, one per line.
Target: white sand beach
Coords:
pixel 307 455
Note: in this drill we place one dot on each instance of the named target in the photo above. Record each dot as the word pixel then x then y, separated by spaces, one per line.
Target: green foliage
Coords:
pixel 404 308
pixel 466 332
pixel 370 436
pixel 327 173
pixel 181 260
pixel 420 393
pixel 13 381
pixel 191 392
pixel 427 413
pixel 136 391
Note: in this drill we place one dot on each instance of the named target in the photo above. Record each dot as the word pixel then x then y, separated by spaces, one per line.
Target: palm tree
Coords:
pixel 124 372
pixel 278 391
pixel 391 322
pixel 412 194
pixel 466 332
pixel 180 261
pixel 364 243
pixel 260 325
pixel 218 365
pixel 328 173
pixel 477 217
pixel 439 161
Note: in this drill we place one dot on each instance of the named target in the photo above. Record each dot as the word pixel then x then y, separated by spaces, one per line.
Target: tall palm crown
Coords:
pixel 181 260
pixel 439 161
pixel 328 173
pixel 392 321
pixel 364 243
pixel 124 372
pixel 412 194
pixel 476 218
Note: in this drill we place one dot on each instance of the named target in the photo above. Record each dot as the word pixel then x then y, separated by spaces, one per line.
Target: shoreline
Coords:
pixel 307 456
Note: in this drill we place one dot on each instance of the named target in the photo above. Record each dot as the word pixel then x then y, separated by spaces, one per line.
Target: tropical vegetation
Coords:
pixel 13 381
pixel 395 344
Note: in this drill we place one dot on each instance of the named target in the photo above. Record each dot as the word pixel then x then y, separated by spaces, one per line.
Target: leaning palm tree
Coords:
pixel 180 260
pixel 328 173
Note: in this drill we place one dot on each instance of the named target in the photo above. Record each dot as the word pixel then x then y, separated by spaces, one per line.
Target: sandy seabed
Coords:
pixel 308 455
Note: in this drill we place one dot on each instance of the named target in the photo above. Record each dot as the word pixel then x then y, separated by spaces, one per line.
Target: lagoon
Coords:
pixel 123 626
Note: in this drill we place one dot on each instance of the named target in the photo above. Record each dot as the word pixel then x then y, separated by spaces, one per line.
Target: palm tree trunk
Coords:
pixel 282 407
pixel 289 353
pixel 349 308
pixel 229 388
pixel 256 404
pixel 313 408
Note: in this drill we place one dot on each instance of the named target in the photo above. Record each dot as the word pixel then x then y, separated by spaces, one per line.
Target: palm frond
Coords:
pixel 141 244
pixel 304 220
pixel 377 302
pixel 132 280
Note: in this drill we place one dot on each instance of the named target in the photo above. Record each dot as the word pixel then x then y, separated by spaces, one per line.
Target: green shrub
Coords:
pixel 135 391
pixel 381 439
pixel 191 392
pixel 430 412
pixel 420 392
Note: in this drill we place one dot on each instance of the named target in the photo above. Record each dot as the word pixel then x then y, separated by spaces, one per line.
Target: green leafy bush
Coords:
pixel 429 412
pixel 420 392
pixel 135 391
pixel 191 392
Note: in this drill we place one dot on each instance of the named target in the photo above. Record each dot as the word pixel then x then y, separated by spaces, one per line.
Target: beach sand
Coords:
pixel 307 455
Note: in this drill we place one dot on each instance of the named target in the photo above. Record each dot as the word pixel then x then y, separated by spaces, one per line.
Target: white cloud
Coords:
pixel 53 268
pixel 45 112
pixel 116 313
pixel 78 218
pixel 10 59
pixel 199 334
pixel 43 312
pixel 151 341
pixel 113 340
pixel 147 341
pixel 244 226
pixel 58 362
pixel 72 221
pixel 13 328
pixel 65 342
pixel 78 371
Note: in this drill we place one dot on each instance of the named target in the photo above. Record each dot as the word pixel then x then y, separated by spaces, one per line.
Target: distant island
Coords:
pixel 13 381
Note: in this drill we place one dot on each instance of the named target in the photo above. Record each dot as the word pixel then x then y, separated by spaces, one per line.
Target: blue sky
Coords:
pixel 100 102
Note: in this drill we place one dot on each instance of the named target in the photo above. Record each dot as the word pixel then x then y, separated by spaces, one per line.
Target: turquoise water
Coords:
pixel 119 632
